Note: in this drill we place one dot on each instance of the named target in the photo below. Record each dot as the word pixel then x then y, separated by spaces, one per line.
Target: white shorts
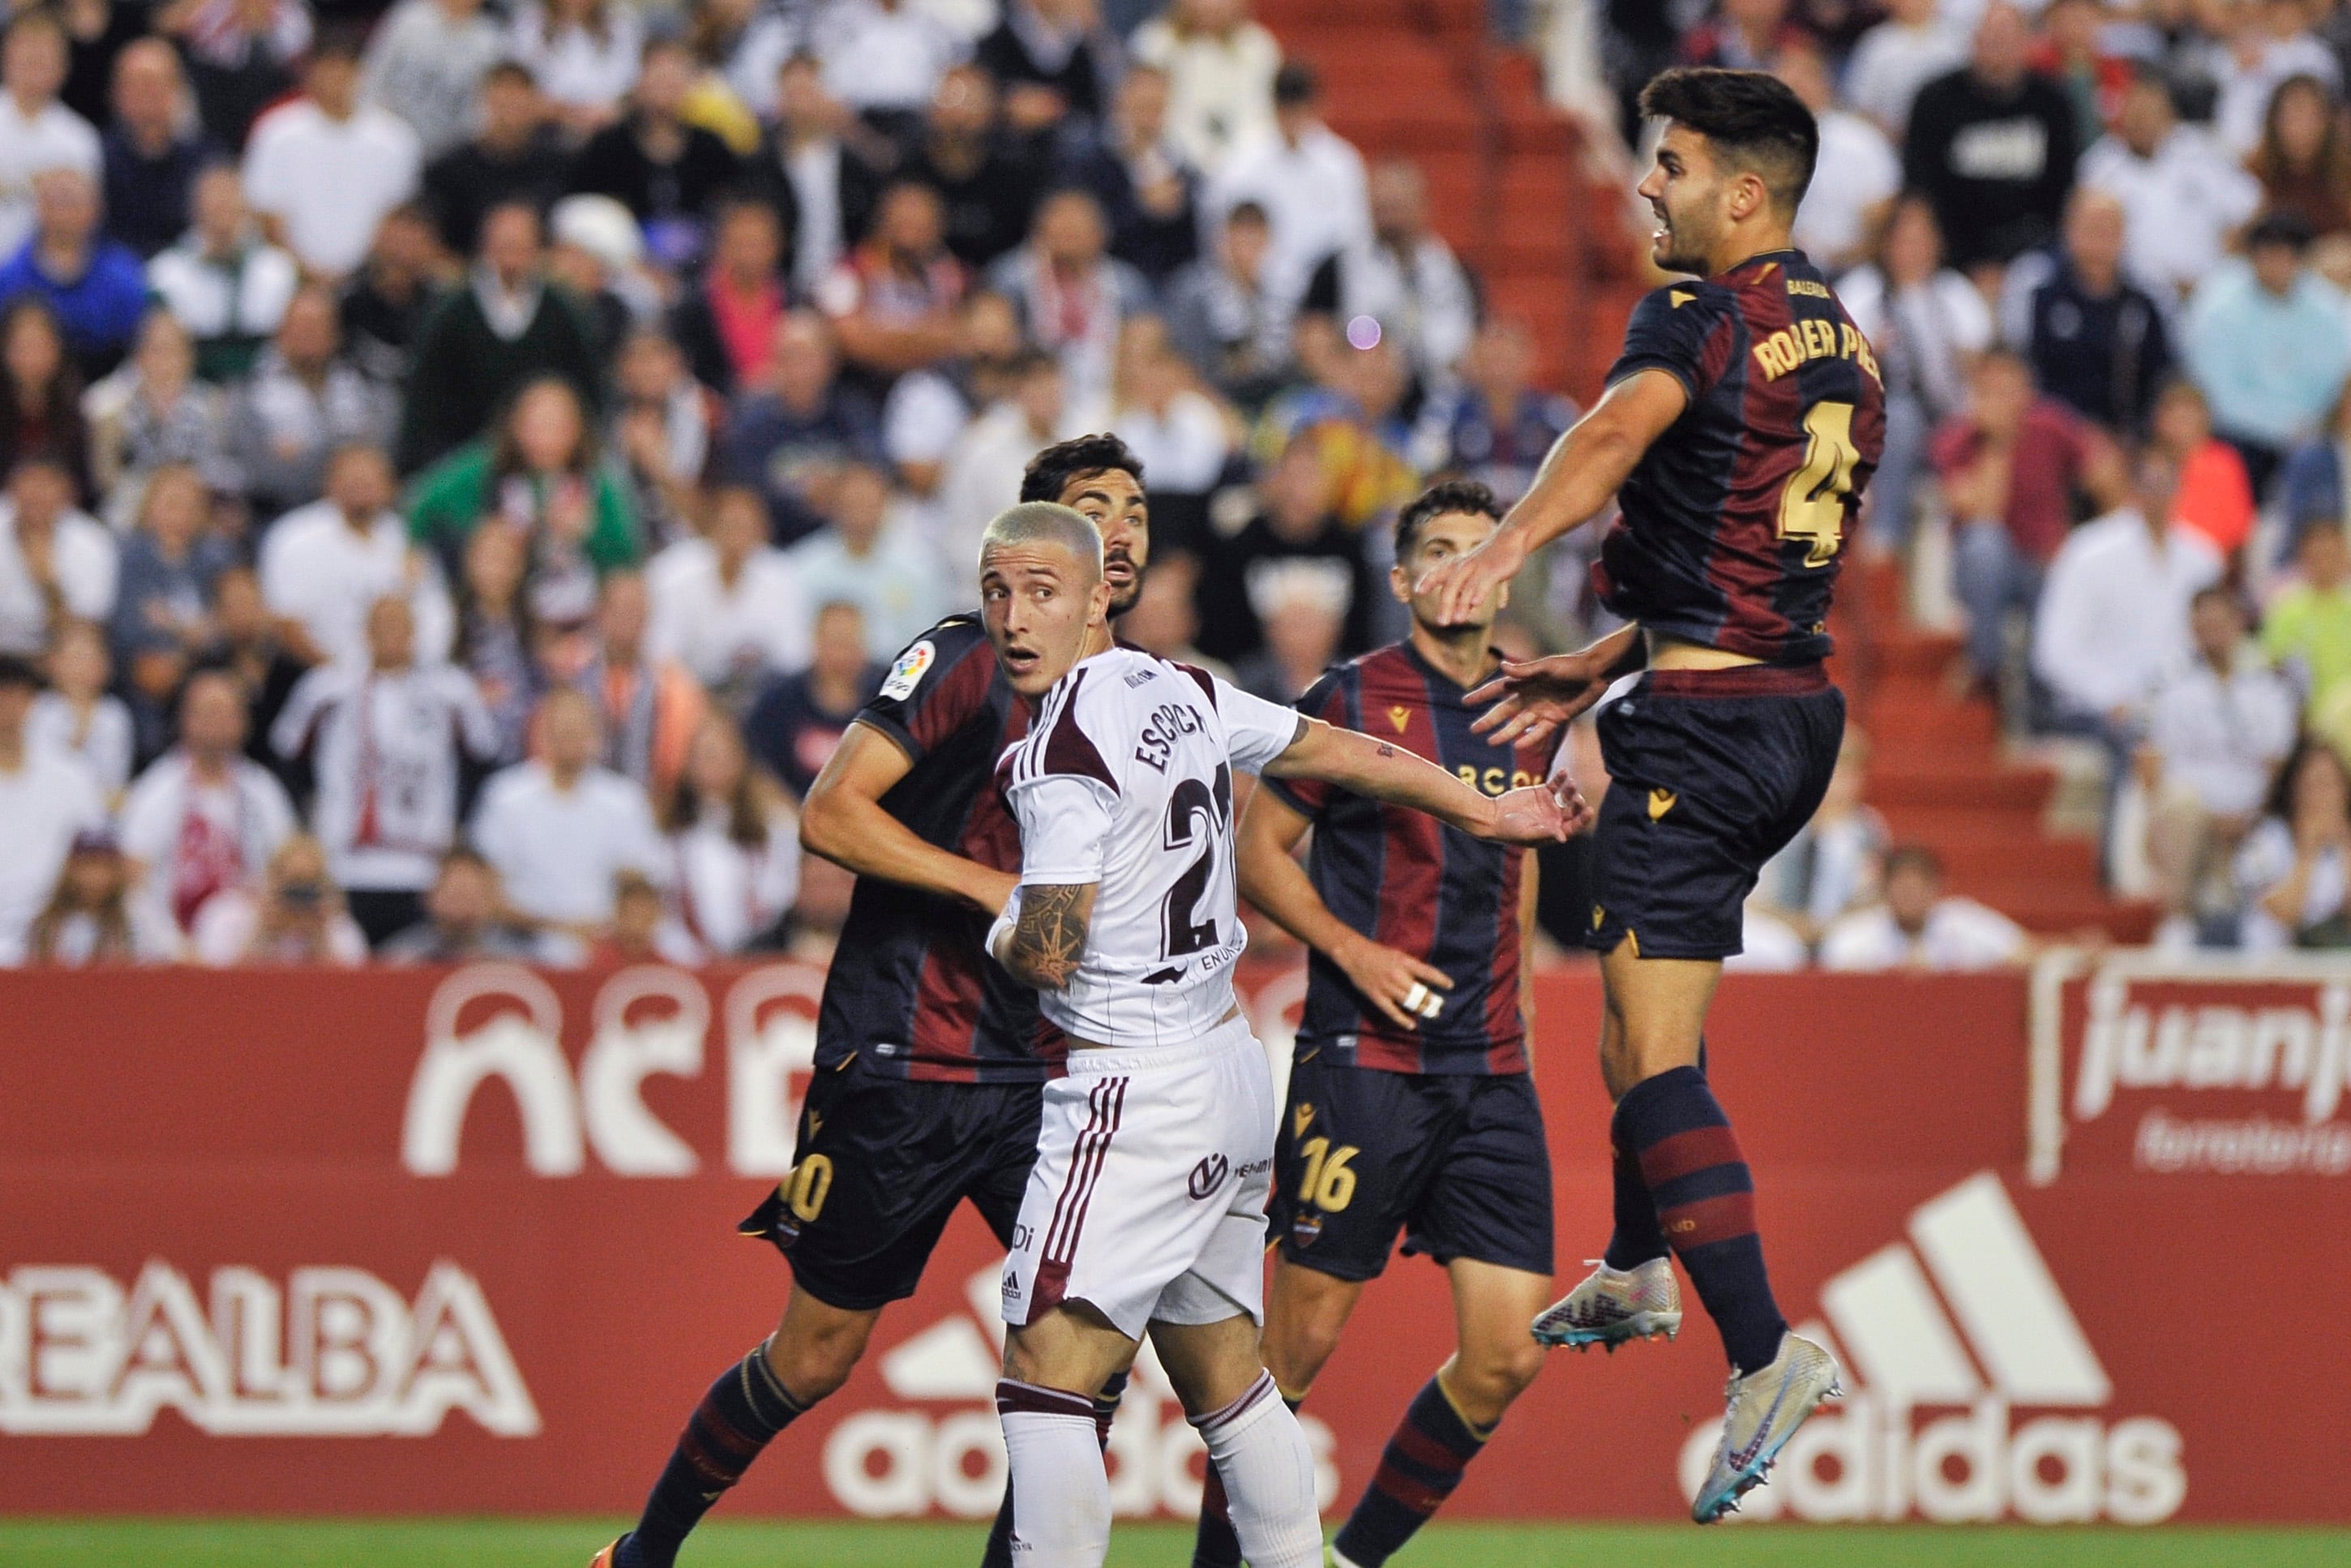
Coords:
pixel 1147 1200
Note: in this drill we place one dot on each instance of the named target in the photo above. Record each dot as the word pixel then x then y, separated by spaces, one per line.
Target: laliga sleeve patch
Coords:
pixel 908 671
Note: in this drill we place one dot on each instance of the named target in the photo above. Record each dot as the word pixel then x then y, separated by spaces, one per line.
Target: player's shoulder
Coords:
pixel 1090 703
pixel 942 647
pixel 1688 301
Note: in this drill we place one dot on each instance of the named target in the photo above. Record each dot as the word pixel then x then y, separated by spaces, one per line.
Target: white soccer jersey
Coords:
pixel 1127 781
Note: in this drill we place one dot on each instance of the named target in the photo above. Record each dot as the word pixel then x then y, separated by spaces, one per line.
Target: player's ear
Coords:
pixel 1400 580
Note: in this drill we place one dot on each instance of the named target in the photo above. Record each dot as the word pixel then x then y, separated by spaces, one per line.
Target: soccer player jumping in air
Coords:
pixel 1411 1106
pixel 1740 424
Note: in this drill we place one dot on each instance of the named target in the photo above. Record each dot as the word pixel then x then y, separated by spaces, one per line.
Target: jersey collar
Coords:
pixel 1784 254
pixel 1420 661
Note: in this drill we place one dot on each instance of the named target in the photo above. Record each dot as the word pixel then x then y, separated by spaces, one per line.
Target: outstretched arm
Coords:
pixel 843 820
pixel 1356 761
pixel 1041 935
pixel 1583 470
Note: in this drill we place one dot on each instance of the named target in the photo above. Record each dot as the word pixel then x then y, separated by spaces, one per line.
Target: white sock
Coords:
pixel 1061 1492
pixel 1269 1475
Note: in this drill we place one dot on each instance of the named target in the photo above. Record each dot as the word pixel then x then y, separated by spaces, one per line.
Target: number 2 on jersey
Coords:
pixel 1813 505
pixel 1194 813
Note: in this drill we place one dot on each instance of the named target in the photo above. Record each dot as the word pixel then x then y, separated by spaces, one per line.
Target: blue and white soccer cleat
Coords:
pixel 1766 1407
pixel 1615 1306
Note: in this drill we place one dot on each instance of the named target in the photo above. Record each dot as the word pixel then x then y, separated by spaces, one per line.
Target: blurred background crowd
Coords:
pixel 465 464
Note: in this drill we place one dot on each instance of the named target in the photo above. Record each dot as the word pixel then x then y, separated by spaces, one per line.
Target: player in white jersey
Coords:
pixel 1146 1210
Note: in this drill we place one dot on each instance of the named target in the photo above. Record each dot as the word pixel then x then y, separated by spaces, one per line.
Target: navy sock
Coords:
pixel 1705 1196
pixel 1637 1238
pixel 998 1553
pixel 1213 1544
pixel 1418 1471
pixel 740 1416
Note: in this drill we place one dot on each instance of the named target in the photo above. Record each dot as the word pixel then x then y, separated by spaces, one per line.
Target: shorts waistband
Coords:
pixel 1740 681
pixel 1223 1039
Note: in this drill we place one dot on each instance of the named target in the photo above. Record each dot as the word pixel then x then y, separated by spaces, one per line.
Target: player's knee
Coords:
pixel 813 1360
pixel 1484 1381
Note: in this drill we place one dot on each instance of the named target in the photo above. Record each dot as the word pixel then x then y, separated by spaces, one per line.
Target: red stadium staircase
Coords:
pixel 1939 776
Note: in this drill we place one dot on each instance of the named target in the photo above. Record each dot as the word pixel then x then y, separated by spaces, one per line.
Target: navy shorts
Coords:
pixel 881 1163
pixel 1711 773
pixel 1457 1164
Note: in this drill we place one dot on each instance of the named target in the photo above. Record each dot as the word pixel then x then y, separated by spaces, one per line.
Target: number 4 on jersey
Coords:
pixel 1813 506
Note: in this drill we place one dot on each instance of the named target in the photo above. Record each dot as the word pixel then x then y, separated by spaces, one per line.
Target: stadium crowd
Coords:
pixel 465 464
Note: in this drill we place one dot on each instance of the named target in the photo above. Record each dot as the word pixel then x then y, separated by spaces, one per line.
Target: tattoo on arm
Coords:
pixel 1386 750
pixel 1051 934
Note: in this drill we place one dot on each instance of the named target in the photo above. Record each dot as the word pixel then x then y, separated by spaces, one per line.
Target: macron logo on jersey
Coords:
pixel 1948 1337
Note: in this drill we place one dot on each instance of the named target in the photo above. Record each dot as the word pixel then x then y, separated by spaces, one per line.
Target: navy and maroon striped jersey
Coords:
pixel 1403 878
pixel 1734 519
pixel 910 986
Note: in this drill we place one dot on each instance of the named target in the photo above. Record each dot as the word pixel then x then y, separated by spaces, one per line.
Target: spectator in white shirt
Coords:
pixel 322 170
pixel 324 564
pixel 1220 66
pixel 425 64
pixel 47 799
pixel 558 828
pixel 1072 296
pixel 983 466
pixel 295 916
pixel 222 282
pixel 1310 181
pixel 2293 874
pixel 1857 174
pixel 1918 926
pixel 733 844
pixel 55 560
pixel 1929 324
pixel 77 716
pixel 727 605
pixel 867 558
pixel 1902 54
pixel 94 915
pixel 2271 41
pixel 2216 734
pixel 38 133
pixel 884 57
pixel 1183 436
pixel 2182 193
pixel 584 55
pixel 204 817
pixel 383 739
pixel 1402 276
pixel 2112 625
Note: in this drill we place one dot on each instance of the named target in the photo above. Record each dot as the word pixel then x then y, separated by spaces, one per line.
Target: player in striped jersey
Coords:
pixel 1411 1106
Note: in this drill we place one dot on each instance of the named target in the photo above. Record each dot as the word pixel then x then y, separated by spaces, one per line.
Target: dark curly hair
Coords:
pixel 1050 471
pixel 1751 120
pixel 1450 496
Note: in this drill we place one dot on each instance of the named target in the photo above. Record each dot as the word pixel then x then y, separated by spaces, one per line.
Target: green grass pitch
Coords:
pixel 568 1543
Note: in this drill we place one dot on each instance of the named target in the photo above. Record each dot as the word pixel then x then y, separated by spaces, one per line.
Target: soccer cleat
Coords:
pixel 1766 1407
pixel 610 1557
pixel 1613 1306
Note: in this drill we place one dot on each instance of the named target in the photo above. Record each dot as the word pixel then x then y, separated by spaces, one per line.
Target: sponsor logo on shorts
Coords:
pixel 1300 1118
pixel 1660 802
pixel 1208 1176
